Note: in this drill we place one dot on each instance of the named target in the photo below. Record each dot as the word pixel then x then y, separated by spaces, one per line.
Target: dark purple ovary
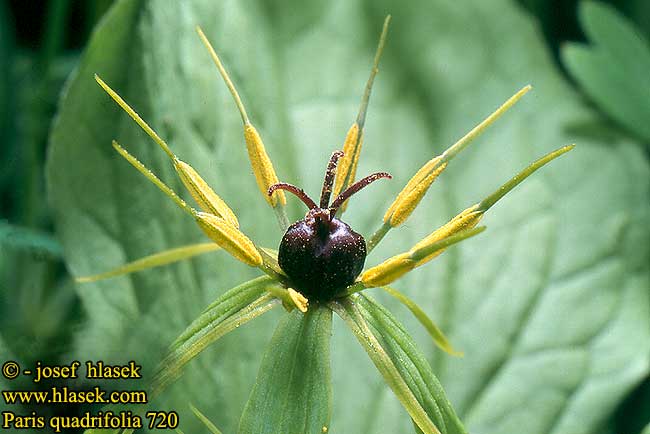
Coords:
pixel 320 254
pixel 321 257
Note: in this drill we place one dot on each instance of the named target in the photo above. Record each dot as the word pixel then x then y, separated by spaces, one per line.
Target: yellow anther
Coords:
pixel 262 166
pixel 427 249
pixel 229 238
pixel 354 139
pixel 204 196
pixel 347 165
pixel 388 271
pixel 410 197
pixel 467 219
pixel 299 300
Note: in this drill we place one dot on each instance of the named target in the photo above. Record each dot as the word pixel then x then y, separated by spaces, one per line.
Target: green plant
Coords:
pixel 508 334
pixel 613 70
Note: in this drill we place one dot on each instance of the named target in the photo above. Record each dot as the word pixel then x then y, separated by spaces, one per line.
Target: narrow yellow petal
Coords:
pixel 230 238
pixel 388 271
pixel 152 261
pixel 203 194
pixel 153 178
pixel 262 166
pixel 135 116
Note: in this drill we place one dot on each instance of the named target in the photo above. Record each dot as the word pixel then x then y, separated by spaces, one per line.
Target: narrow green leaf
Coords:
pixel 434 331
pixel 234 308
pixel 412 364
pixel 293 392
pixel 385 363
pixel 402 365
pixel 207 422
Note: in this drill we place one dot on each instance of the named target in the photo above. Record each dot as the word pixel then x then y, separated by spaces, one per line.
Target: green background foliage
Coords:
pixel 551 305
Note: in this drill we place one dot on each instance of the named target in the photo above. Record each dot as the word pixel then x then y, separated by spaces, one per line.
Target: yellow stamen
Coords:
pixel 467 219
pixel 260 161
pixel 477 130
pixel 204 196
pixel 231 239
pixel 411 195
pixel 299 300
pixel 262 166
pixel 388 271
pixel 354 139
pixel 395 267
pixel 519 177
pixel 424 252
pixel 351 147
pixel 410 198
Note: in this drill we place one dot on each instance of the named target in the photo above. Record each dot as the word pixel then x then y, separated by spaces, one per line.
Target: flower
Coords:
pixel 390 348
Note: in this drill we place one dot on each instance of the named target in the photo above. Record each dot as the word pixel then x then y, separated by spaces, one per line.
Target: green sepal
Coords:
pixel 402 365
pixel 293 391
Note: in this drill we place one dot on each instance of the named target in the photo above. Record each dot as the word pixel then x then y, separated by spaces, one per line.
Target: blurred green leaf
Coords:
pixel 614 70
pixel 550 305
pixel 293 390
pixel 20 238
pixel 6 100
pixel 646 430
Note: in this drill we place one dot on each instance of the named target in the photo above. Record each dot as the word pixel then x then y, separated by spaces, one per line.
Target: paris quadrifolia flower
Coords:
pixel 319 266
